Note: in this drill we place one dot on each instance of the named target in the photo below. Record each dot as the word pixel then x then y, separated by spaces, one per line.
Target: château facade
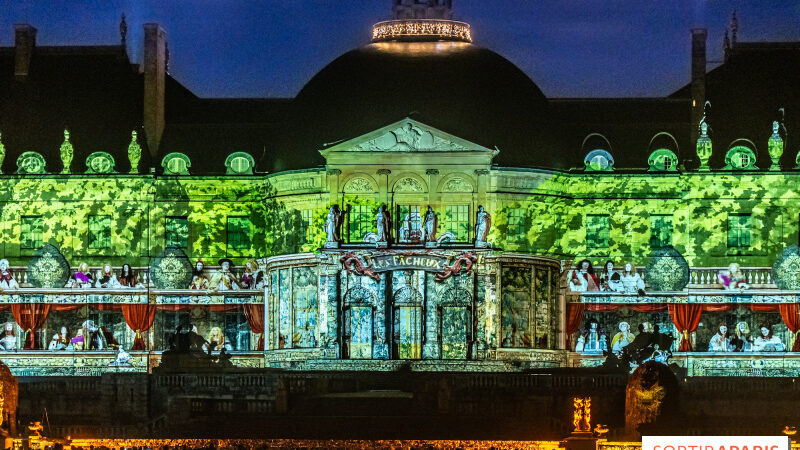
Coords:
pixel 561 182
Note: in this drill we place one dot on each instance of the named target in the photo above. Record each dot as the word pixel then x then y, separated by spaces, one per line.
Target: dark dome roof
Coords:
pixel 465 90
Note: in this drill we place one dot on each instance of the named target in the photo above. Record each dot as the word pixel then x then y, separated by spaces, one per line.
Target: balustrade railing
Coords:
pixel 709 277
pixel 142 274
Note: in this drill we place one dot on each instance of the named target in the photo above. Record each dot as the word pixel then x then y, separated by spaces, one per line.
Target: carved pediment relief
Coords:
pixel 408 138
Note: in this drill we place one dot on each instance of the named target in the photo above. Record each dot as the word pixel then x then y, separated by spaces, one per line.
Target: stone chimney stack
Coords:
pixel 155 64
pixel 699 36
pixel 24 43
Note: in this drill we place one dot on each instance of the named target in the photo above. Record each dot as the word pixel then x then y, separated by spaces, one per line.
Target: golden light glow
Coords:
pixel 582 416
pixel 427 29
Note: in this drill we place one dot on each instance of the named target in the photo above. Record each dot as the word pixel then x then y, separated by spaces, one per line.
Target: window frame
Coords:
pixel 92 233
pixel 462 214
pixel 167 241
pixel 37 222
pixel 653 237
pixel 247 233
pixel 592 241
pixel 739 230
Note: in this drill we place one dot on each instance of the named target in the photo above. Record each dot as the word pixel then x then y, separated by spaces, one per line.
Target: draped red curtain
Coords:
pixel 686 318
pixel 790 313
pixel 30 317
pixel 139 318
pixel 573 320
pixel 255 318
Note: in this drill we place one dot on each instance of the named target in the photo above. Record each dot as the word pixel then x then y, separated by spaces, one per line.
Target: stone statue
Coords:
pixel 592 340
pixel 332 225
pixel 721 341
pixel 383 222
pixel 622 339
pixel 7 280
pixel 123 358
pixel 767 342
pixel 775 146
pixel 134 152
pixel 66 152
pixel 2 152
pixel 429 225
pixel 224 280
pixel 704 145
pixel 483 222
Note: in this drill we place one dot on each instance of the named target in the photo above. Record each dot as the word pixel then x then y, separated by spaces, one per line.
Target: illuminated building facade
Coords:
pixel 420 117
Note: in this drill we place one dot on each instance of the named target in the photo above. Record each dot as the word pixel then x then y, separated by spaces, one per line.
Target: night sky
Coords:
pixel 270 48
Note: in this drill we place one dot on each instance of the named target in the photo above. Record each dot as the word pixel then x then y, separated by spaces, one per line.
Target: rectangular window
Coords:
pixel 238 232
pixel 359 222
pixel 307 217
pixel 739 230
pixel 176 232
pixel 660 231
pixel 597 228
pixel 408 223
pixel 457 221
pixel 99 232
pixel 31 233
pixel 516 224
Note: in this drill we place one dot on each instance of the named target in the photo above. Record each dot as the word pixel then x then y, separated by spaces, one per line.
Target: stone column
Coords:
pixel 434 197
pixel 334 176
pixel 383 187
pixel 482 179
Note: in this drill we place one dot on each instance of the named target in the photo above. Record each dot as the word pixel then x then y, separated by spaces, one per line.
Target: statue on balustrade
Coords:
pixel 7 280
pixel 610 281
pixel 767 342
pixel 253 277
pixel 733 278
pixel 9 340
pixel 94 336
pixel 77 342
pixel 107 279
pixel 224 280
pixel 429 225
pixel 622 339
pixel 741 341
pixel 583 278
pixel 122 360
pixel 127 279
pixel 383 223
pixel 56 344
pixel 333 224
pixel 216 341
pixel 631 282
pixel 721 341
pixel 592 340
pixel 82 278
pixel 199 278
pixel 483 223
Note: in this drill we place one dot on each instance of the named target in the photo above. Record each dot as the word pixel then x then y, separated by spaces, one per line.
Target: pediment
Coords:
pixel 407 136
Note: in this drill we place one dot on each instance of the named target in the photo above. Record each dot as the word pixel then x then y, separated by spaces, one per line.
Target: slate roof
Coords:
pixel 94 91
pixel 472 93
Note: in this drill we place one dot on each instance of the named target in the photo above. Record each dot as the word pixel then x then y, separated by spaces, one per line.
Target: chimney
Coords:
pixel 155 61
pixel 699 36
pixel 24 42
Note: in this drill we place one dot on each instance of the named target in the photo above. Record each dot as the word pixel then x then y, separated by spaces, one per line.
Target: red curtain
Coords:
pixel 573 320
pixel 255 318
pixel 790 313
pixel 686 318
pixel 139 318
pixel 30 317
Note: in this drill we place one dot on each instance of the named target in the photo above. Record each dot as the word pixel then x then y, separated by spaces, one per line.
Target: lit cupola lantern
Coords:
pixel 421 21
